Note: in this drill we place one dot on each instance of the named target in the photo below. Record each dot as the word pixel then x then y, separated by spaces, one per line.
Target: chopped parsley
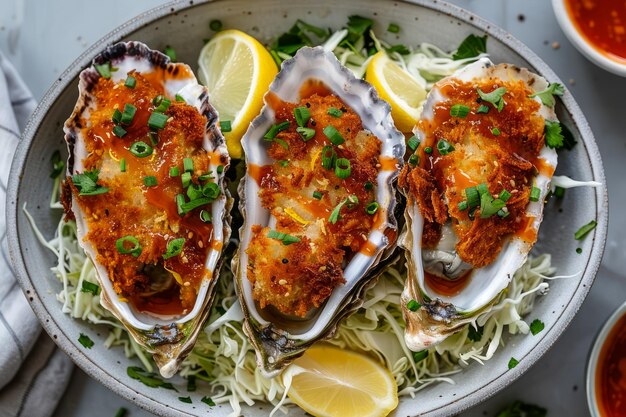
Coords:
pixel 170 52
pixel 483 109
pixel 472 46
pixel 519 409
pixel 149 379
pixel 513 363
pixel 87 183
pixel 287 239
pixel 584 230
pixel 413 305
pixel 336 213
pixel 85 341
pixel 186 400
pixel 495 97
pixel 174 247
pixel 554 135
pixel 536 326
pixel 459 110
pixel 547 96
pixel 358 26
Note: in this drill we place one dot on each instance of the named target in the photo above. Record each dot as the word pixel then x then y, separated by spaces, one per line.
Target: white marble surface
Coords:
pixel 43 37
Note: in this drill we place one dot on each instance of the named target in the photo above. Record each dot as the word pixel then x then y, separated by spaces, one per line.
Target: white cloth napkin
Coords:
pixel 33 372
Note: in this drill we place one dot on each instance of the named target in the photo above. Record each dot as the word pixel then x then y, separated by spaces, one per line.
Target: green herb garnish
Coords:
pixel 459 110
pixel 58 165
pixel 513 363
pixel 87 286
pixel 554 135
pixel 584 230
pixel 547 96
pixel 495 97
pixel 122 247
pixel 472 46
pixel 283 237
pixel 85 341
pixel 536 326
pixel 87 183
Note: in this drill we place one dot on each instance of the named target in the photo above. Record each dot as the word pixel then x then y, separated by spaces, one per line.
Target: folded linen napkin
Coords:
pixel 33 372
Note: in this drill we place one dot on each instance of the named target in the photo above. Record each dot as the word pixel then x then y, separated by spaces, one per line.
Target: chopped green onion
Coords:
pixel 205 216
pixel 482 189
pixel 413 305
pixel 559 192
pixel 495 131
pixel 368 186
pixel 129 114
pixel 414 160
pixel 120 245
pixel 328 157
pixel 413 142
pixel 503 213
pixel 420 356
pixel 163 105
pixel 206 177
pixel 306 133
pixel 157 120
pixel 332 111
pixel 504 195
pixel 275 129
pixel 536 326
pixel 284 163
pixel 123 165
pixel 140 149
pixel 104 70
pixel 473 198
pixel 336 213
pixel 220 169
pixel 185 400
pixel 513 363
pixel 174 172
pixel 188 164
pixel 119 131
pixel 130 82
pixel 333 135
pixel 302 115
pixel 157 100
pixel 535 193
pixel 194 191
pixel 342 168
pixel 583 231
pixel 459 110
pixel 86 341
pixel 428 150
pixel 215 25
pixel 317 195
pixel 191 383
pixel 483 109
pixel 198 202
pixel 283 237
pixel 211 190
pixel 121 412
pixel 180 200
pixel 393 28
pixel 87 286
pixel 282 143
pixel 185 179
pixel 150 181
pixel 174 247
pixel 154 138
pixel 579 250
pixel 117 116
pixel 444 147
pixel 225 126
pixel 372 208
pixel 170 52
pixel 462 205
pixel 180 98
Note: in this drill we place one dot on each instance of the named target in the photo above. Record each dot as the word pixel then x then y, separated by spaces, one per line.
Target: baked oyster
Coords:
pixel 318 202
pixel 145 183
pixel 475 187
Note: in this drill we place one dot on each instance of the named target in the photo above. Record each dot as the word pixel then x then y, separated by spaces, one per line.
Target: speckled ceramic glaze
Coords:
pixel 183 25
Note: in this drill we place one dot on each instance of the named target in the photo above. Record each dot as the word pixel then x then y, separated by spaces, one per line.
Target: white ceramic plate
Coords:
pixel 184 25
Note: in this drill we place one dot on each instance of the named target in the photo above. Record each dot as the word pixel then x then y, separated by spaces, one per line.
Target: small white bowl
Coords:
pixel 582 44
pixel 592 363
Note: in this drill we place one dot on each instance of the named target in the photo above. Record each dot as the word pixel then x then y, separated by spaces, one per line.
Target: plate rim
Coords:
pixel 459 404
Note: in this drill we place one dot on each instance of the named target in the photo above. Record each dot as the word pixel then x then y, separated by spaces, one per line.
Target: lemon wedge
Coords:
pixel 398 88
pixel 332 382
pixel 237 70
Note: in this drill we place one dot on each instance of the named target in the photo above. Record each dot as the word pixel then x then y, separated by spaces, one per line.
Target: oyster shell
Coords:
pixel 168 313
pixel 469 289
pixel 279 337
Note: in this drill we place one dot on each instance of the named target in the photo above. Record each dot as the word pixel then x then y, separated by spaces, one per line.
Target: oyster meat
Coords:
pixel 145 183
pixel 318 202
pixel 475 194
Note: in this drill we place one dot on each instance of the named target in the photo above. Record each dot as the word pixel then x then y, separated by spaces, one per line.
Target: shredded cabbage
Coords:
pixel 225 359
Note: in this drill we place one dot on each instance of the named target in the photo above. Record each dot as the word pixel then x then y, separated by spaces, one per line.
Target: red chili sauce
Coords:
pixel 610 377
